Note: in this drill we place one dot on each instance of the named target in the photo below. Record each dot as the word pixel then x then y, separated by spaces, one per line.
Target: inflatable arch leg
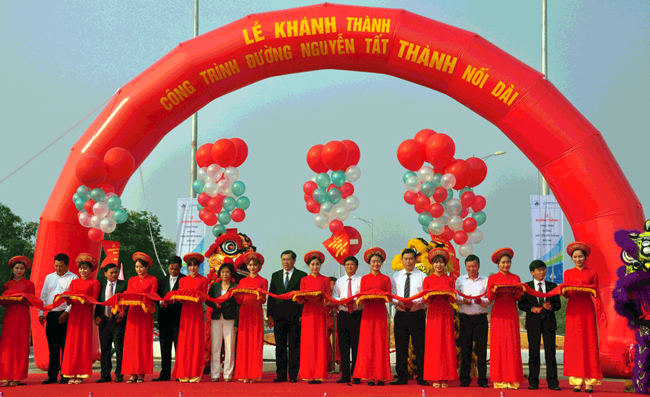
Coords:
pixel 560 142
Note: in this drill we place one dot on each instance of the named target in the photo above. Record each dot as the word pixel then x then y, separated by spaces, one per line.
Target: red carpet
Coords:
pixel 270 389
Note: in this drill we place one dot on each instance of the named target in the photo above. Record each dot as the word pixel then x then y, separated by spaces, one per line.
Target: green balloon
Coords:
pixel 198 186
pixel 224 217
pixel 450 195
pixel 426 229
pixel 218 230
pixel 98 195
pixel 199 207
pixel 408 174
pixel 243 202
pixel 338 178
pixel 238 188
pixel 319 195
pixel 427 189
pixel 322 180
pixel 463 190
pixel 114 203
pixel 120 216
pixel 480 217
pixel 83 192
pixel 334 195
pixel 229 204
pixel 436 180
pixel 425 218
pixel 80 204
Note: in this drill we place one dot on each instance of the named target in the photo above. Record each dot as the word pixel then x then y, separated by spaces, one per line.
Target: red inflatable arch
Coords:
pixel 561 143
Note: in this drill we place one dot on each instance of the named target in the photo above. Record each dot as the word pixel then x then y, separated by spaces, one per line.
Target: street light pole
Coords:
pixel 195 117
pixel 371 224
pixel 498 153
pixel 545 188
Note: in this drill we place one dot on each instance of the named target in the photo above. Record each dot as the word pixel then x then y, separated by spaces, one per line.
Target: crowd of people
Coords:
pixel 424 317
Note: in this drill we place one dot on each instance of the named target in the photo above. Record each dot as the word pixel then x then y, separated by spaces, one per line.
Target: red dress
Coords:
pixel 138 336
pixel 440 343
pixel 191 335
pixel 505 343
pixel 14 342
pixel 313 334
pixel 250 335
pixel 373 357
pixel 581 353
pixel 78 353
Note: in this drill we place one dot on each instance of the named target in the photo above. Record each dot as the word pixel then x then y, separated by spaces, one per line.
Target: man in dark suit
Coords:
pixel 111 326
pixel 169 318
pixel 541 323
pixel 284 318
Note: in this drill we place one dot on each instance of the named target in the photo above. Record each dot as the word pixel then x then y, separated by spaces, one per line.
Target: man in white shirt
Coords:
pixel 410 319
pixel 56 325
pixel 473 322
pixel 348 320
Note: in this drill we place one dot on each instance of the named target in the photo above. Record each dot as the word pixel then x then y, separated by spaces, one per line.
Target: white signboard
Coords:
pixel 548 236
pixel 190 236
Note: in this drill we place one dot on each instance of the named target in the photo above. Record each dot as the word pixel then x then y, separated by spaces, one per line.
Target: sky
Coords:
pixel 63 59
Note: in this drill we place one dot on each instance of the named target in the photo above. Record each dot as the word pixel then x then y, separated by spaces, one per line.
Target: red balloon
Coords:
pixel 215 204
pixel 119 162
pixel 479 203
pixel 224 152
pixel 410 154
pixel 469 225
pixel 447 234
pixel 238 215
pixel 90 170
pixel 331 186
pixel 462 171
pixel 208 217
pixel 309 187
pixel 108 188
pixel 95 235
pixel 242 151
pixel 423 135
pixel 354 154
pixel 336 225
pixel 439 150
pixel 347 190
pixel 204 199
pixel 440 194
pixel 307 197
pixel 410 197
pixel 89 206
pixel 479 171
pixel 314 159
pixel 334 155
pixel 204 155
pixel 464 212
pixel 436 210
pixel 313 206
pixel 422 204
pixel 467 198
pixel 460 237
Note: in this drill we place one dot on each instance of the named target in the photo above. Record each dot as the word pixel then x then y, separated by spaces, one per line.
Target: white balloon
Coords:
pixel 425 174
pixel 412 184
pixel 211 189
pixel 466 249
pixel 232 173
pixel 202 174
pixel 351 203
pixel 107 225
pixel 94 221
pixel 455 223
pixel 326 208
pixel 313 178
pixel 341 214
pixel 100 209
pixel 320 221
pixel 444 219
pixel 475 237
pixel 222 186
pixel 84 219
pixel 448 181
pixel 214 172
pixel 454 206
pixel 352 174
pixel 436 227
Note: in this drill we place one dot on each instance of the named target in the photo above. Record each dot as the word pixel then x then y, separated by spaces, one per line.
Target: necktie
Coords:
pixel 539 288
pixel 286 279
pixel 407 286
pixel 110 294
pixel 349 287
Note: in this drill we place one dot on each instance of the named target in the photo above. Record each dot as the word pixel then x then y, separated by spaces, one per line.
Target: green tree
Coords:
pixel 134 236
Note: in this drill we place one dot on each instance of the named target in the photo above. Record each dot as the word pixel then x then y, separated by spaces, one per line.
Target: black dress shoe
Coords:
pixel 464 384
pixel 343 380
pixel 381 383
pixel 293 380
pixel 160 379
pixel 533 387
pixel 485 385
pixel 314 382
pixel 356 381
pixel 49 381
pixel 64 381
pixel 422 382
pixel 371 383
pixel 279 380
pixel 103 380
pixel 399 382
pixel 556 388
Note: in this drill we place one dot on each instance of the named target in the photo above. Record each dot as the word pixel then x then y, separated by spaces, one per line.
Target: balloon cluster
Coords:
pixel 430 189
pixel 331 196
pixel 221 198
pixel 98 205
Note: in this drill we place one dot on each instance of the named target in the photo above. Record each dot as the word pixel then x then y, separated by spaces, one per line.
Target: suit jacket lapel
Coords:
pixel 292 281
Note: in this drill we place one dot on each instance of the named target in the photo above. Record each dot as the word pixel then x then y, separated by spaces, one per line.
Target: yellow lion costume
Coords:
pixel 422 247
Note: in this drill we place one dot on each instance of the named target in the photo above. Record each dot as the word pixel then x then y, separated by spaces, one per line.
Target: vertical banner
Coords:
pixel 548 235
pixel 190 236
